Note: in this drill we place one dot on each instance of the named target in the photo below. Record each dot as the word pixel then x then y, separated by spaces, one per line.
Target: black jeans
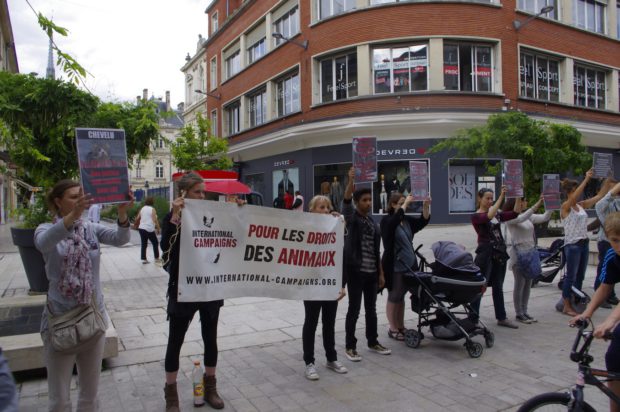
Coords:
pixel 144 237
pixel 603 247
pixel 495 280
pixel 362 284
pixel 178 326
pixel 311 320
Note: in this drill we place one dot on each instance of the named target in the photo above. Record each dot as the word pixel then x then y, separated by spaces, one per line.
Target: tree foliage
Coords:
pixel 39 118
pixel 198 149
pixel 542 146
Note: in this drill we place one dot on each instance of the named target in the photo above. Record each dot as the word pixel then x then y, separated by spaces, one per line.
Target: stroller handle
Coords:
pixel 421 256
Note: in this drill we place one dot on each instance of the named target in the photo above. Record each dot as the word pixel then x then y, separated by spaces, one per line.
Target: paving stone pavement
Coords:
pixel 260 366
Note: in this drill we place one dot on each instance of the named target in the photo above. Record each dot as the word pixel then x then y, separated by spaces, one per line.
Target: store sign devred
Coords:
pixel 281 163
pixel 404 151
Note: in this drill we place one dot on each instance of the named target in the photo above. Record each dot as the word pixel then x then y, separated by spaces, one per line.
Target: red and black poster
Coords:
pixel 102 156
pixel 418 171
pixel 513 177
pixel 365 159
pixel 551 191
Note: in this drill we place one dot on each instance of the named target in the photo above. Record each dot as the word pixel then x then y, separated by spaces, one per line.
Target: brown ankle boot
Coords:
pixel 211 395
pixel 172 398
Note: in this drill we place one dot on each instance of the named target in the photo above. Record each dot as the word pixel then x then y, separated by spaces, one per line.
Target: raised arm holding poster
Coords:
pixel 418 172
pixel 230 251
pixel 102 157
pixel 603 165
pixel 551 191
pixel 513 177
pixel 365 159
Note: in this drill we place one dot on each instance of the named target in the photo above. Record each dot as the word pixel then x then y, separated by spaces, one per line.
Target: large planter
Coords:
pixel 32 259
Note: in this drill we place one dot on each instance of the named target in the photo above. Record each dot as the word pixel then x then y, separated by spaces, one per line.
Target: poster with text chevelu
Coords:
pixel 418 172
pixel 551 191
pixel 603 165
pixel 365 159
pixel 102 157
pixel 513 177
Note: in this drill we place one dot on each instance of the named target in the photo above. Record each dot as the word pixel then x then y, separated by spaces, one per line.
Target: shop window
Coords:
pixel 534 7
pixel 287 25
pixel 328 8
pixel 233 114
pixel 285 183
pixel 589 87
pixel 468 67
pixel 287 92
pixel 257 107
pixel 393 177
pixel 465 178
pixel 589 15
pixel 540 77
pixel 330 181
pixel 256 182
pixel 256 51
pixel 339 77
pixel 400 69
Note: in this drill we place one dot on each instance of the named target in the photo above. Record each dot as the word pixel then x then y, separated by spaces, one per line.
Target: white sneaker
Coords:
pixel 311 372
pixel 352 355
pixel 336 367
pixel 144 261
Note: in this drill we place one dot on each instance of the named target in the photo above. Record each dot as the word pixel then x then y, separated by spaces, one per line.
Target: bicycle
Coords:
pixel 574 400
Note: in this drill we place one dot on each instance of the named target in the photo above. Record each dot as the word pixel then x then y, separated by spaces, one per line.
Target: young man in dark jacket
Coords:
pixel 363 274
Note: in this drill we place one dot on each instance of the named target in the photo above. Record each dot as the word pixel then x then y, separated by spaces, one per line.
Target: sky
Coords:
pixel 125 45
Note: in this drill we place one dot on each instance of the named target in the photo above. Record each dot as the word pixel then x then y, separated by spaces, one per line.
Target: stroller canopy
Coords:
pixel 450 257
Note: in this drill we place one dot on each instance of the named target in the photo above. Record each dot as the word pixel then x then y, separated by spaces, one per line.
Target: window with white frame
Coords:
pixel 535 6
pixel 589 86
pixel 539 76
pixel 233 117
pixel 400 69
pixel 257 50
pixel 287 94
pixel 215 24
pixel 201 78
pixel 329 8
pixel 287 25
pixel 338 77
pixel 213 74
pixel 589 15
pixel 159 170
pixel 257 107
pixel 160 142
pixel 468 67
pixel 233 64
pixel 214 122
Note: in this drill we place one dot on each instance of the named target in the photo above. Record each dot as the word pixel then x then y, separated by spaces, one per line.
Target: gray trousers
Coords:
pixel 59 371
pixel 521 292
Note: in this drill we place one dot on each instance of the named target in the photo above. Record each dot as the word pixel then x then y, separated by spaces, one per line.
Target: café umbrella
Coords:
pixel 227 187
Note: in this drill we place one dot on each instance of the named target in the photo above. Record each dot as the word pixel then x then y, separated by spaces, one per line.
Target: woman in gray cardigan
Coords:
pixel 70 248
pixel 521 238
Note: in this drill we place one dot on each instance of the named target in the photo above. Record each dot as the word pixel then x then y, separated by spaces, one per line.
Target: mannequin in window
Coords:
pixel 326 188
pixel 383 195
pixel 392 185
pixel 336 192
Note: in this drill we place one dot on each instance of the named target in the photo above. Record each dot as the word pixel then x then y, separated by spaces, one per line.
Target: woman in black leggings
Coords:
pixel 180 314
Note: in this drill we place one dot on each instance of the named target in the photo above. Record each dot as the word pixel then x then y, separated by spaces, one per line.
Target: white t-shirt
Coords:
pixel 575 226
pixel 146 219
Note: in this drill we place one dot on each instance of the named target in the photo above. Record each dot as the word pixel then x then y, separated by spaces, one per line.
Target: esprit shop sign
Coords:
pixel 400 152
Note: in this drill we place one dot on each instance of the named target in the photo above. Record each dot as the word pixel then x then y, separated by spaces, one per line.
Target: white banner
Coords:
pixel 232 251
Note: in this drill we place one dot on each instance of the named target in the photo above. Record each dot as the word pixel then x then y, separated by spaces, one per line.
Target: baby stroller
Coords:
pixel 437 296
pixel 552 260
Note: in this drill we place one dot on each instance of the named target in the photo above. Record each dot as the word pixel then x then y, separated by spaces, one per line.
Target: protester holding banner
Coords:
pixel 180 314
pixel 312 309
pixel 576 241
pixel 491 255
pixel 397 230
pixel 148 227
pixel 363 273
pixel 71 249
pixel 521 243
pixel 610 203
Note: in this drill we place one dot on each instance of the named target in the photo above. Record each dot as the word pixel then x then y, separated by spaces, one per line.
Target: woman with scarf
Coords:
pixel 71 249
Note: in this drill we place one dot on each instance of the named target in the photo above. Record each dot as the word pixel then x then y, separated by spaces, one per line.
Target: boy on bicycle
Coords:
pixel 610 275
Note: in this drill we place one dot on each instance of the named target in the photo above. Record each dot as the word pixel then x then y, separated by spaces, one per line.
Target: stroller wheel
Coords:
pixel 474 349
pixel 489 339
pixel 413 338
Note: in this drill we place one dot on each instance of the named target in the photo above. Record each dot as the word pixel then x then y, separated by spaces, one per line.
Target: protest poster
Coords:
pixel 230 251
pixel 419 176
pixel 603 165
pixel 365 159
pixel 102 157
pixel 512 177
pixel 551 191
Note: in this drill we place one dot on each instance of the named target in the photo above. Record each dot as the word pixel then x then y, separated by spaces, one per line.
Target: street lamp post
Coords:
pixel 280 36
pixel 518 24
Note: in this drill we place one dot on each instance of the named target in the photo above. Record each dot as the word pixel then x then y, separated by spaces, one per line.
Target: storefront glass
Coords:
pixel 393 177
pixel 330 180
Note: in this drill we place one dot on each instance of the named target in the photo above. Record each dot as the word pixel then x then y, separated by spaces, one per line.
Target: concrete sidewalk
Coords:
pixel 260 366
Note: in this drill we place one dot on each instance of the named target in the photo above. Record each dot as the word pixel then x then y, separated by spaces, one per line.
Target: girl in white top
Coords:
pixel 148 226
pixel 521 238
pixel 576 242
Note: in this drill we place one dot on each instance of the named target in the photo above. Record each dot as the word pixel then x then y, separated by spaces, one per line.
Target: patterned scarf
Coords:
pixel 76 274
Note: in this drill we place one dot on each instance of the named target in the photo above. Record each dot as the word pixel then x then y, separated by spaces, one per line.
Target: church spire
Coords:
pixel 50 72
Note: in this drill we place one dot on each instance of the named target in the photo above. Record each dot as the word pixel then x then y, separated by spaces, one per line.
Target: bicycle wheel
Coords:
pixel 552 401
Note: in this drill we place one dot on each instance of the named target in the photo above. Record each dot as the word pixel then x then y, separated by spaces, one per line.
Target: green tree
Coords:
pixel 39 118
pixel 198 149
pixel 542 146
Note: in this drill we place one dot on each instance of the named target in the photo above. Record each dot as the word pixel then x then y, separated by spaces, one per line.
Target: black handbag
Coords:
pixel 500 253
